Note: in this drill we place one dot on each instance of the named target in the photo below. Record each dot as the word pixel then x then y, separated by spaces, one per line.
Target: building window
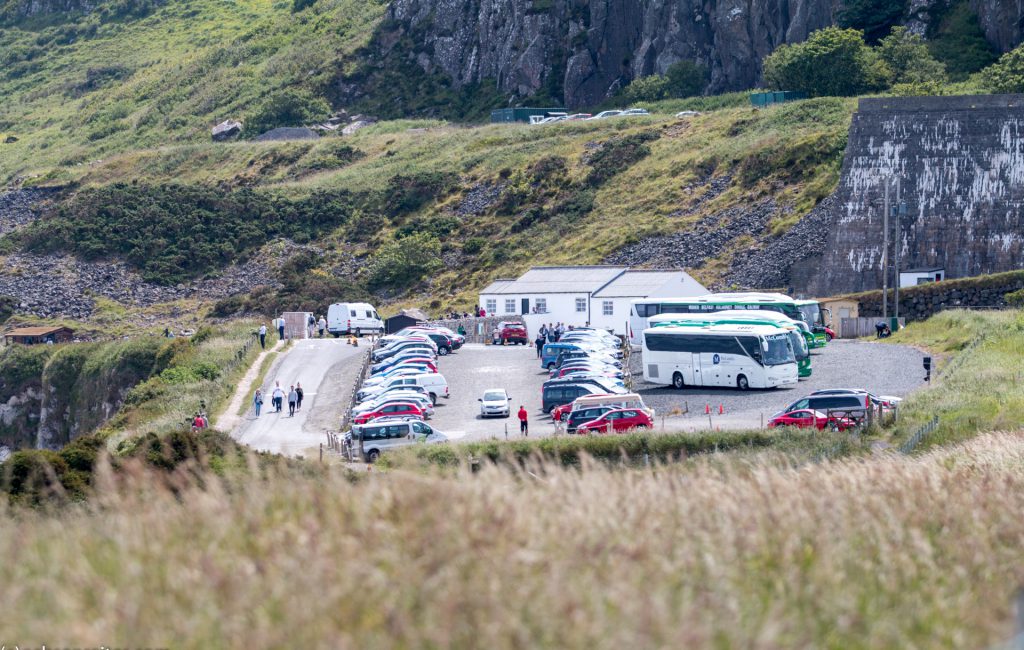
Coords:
pixel 510 305
pixel 608 308
pixel 581 305
pixel 491 306
pixel 542 305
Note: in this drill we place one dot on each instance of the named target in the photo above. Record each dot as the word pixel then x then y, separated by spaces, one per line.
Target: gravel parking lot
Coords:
pixel 881 368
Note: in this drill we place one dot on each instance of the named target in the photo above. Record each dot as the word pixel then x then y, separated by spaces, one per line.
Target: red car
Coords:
pixel 399 409
pixel 512 333
pixel 617 420
pixel 806 418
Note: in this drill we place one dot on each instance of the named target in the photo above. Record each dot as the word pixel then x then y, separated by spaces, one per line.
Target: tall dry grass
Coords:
pixel 878 553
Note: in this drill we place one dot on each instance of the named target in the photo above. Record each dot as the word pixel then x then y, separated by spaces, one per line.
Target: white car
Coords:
pixel 495 403
pixel 605 114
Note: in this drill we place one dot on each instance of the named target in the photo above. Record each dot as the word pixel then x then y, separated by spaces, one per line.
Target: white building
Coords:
pixel 580 295
pixel 914 277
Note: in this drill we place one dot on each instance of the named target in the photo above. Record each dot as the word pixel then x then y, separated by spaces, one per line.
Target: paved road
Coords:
pixel 317 365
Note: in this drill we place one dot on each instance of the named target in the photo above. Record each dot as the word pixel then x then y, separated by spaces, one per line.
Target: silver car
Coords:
pixel 375 438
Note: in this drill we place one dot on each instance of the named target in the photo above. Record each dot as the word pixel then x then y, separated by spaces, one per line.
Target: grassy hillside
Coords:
pixel 78 88
pixel 481 201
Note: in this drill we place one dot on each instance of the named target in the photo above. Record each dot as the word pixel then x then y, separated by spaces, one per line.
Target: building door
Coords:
pixel 526 306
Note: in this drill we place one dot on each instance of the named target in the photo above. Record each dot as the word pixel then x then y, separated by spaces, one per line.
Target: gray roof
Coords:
pixel 642 283
pixel 557 279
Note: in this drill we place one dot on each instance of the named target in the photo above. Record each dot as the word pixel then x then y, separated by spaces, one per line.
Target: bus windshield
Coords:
pixel 799 344
pixel 811 314
pixel 780 350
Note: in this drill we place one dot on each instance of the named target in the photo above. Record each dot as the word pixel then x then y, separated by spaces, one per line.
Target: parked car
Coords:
pixel 401 408
pixel 426 348
pixel 513 333
pixel 885 401
pixel 616 421
pixel 682 114
pixel 389 433
pixel 353 318
pixel 850 403
pixel 422 401
pixel 634 111
pixel 397 362
pixel 595 369
pixel 364 396
pixel 579 416
pixel 570 356
pixel 434 383
pixel 575 117
pixel 606 114
pixel 495 402
pixel 809 418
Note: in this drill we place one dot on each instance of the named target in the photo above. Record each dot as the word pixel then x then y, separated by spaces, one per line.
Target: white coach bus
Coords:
pixel 736 356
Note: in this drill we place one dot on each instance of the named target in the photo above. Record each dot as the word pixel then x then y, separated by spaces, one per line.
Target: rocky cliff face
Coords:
pixel 590 48
pixel 585 50
pixel 959 163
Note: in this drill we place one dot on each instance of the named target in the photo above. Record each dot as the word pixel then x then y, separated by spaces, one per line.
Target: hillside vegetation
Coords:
pixel 429 212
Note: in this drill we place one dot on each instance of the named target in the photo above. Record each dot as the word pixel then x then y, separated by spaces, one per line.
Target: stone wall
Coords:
pixel 959 164
pixel 920 302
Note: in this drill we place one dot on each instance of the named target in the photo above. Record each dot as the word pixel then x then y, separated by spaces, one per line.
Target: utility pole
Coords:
pixel 885 254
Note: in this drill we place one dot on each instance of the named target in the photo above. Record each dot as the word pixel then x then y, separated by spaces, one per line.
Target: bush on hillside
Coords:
pixel 1007 74
pixel 873 17
pixel 958 41
pixel 681 79
pixel 172 233
pixel 289 107
pixel 401 263
pixel 618 154
pixel 908 60
pixel 832 62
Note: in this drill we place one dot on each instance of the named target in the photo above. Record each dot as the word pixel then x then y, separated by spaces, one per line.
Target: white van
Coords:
pixel 353 318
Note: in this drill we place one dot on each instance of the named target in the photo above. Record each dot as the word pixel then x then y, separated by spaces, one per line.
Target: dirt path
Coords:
pixel 229 419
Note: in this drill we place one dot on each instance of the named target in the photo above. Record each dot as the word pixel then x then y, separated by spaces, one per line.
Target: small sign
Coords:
pixel 716 359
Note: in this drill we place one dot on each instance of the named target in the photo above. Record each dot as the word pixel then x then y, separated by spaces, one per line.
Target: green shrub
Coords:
pixel 956 39
pixel 832 62
pixel 403 262
pixel 1015 298
pixel 647 89
pixel 473 245
pixel 616 155
pixel 908 60
pixel 1007 75
pixel 289 107
pixel 686 79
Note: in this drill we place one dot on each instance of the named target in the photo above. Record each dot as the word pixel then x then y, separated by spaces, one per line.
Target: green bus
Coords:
pixel 813 315
pixel 797 340
pixel 642 309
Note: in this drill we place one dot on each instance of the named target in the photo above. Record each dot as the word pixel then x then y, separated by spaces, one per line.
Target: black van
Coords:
pixel 562 393
pixel 851 402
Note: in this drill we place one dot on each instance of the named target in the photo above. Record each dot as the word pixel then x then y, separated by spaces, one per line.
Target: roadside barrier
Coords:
pixel 913 441
pixel 346 418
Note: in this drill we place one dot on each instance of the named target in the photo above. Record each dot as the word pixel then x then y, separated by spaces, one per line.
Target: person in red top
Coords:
pixel 522 421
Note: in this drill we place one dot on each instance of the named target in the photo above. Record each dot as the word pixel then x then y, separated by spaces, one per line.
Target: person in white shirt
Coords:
pixel 278 397
pixel 263 336
pixel 322 325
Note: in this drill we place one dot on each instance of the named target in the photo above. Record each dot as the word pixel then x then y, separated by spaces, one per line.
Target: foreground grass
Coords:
pixel 977 388
pixel 889 552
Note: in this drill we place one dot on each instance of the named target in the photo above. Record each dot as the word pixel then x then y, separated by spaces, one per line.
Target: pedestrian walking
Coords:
pixel 257 401
pixel 280 328
pixel 292 398
pixel 310 325
pixel 461 330
pixel 278 397
pixel 496 336
pixel 322 325
pixel 299 393
pixel 540 345
pixel 263 336
pixel 523 417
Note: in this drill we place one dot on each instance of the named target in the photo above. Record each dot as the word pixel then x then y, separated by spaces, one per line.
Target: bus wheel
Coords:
pixel 742 383
pixel 677 380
